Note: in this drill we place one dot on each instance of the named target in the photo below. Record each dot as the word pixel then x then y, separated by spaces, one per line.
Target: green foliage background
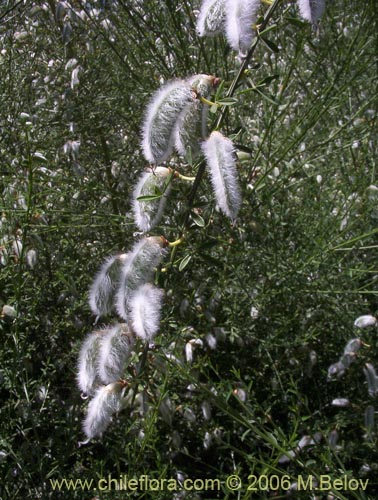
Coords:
pixel 303 251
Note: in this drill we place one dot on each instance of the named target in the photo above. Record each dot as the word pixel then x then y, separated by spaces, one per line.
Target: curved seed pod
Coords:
pixel 191 125
pixel 114 350
pixel 369 418
pixel 353 346
pixel 104 404
pixel 372 379
pixel 147 214
pixel 161 116
pixel 87 377
pixel 101 293
pixel 365 321
pixel 138 269
pixel 189 128
pixel 219 154
pixel 145 308
pixel 211 17
pixel 241 15
pixel 311 10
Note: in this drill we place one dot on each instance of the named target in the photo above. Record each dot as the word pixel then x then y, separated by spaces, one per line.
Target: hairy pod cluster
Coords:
pixel 103 356
pixel 241 16
pixel 220 161
pixel 138 270
pixel 148 213
pixel 173 117
pixel 104 353
pixel 233 17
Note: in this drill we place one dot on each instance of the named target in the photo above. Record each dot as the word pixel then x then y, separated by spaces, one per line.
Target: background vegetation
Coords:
pixel 279 290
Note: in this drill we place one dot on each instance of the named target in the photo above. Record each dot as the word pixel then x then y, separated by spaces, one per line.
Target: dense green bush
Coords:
pixel 279 290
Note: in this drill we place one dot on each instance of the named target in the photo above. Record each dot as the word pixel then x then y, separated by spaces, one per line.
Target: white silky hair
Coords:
pixel 162 113
pixel 147 214
pixel 311 10
pixel 241 15
pixel 87 376
pixel 191 125
pixel 114 350
pixel 211 18
pixel 106 401
pixel 145 311
pixel 220 161
pixel 138 269
pixel 102 290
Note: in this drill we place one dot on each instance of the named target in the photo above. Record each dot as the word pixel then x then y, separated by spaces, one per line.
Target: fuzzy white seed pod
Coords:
pixel 211 17
pixel 87 376
pixel 241 15
pixel 353 346
pixel 161 117
pixel 365 321
pixel 102 291
pixel 340 402
pixel 211 340
pixel 138 269
pixel 372 379
pixel 9 311
pixel 145 308
pixel 104 404
pixel 191 125
pixel 336 370
pixel 219 154
pixel 147 214
pixel 166 410
pixel 114 350
pixel 311 10
pixel 31 258
pixel 206 410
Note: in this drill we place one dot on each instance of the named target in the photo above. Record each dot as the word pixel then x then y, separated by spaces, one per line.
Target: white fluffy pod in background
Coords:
pixel 145 309
pixel 220 160
pixel 191 125
pixel 162 113
pixel 101 408
pixel 365 321
pixel 311 10
pixel 211 17
pixel 241 15
pixel 138 269
pixel 114 350
pixel 148 213
pixel 102 291
pixel 87 375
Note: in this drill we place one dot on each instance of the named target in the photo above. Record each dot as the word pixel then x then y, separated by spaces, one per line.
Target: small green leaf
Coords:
pixel 213 108
pixel 188 156
pixel 185 261
pixel 149 197
pixel 296 22
pixel 198 220
pixel 268 79
pixel 227 101
pixel 271 45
